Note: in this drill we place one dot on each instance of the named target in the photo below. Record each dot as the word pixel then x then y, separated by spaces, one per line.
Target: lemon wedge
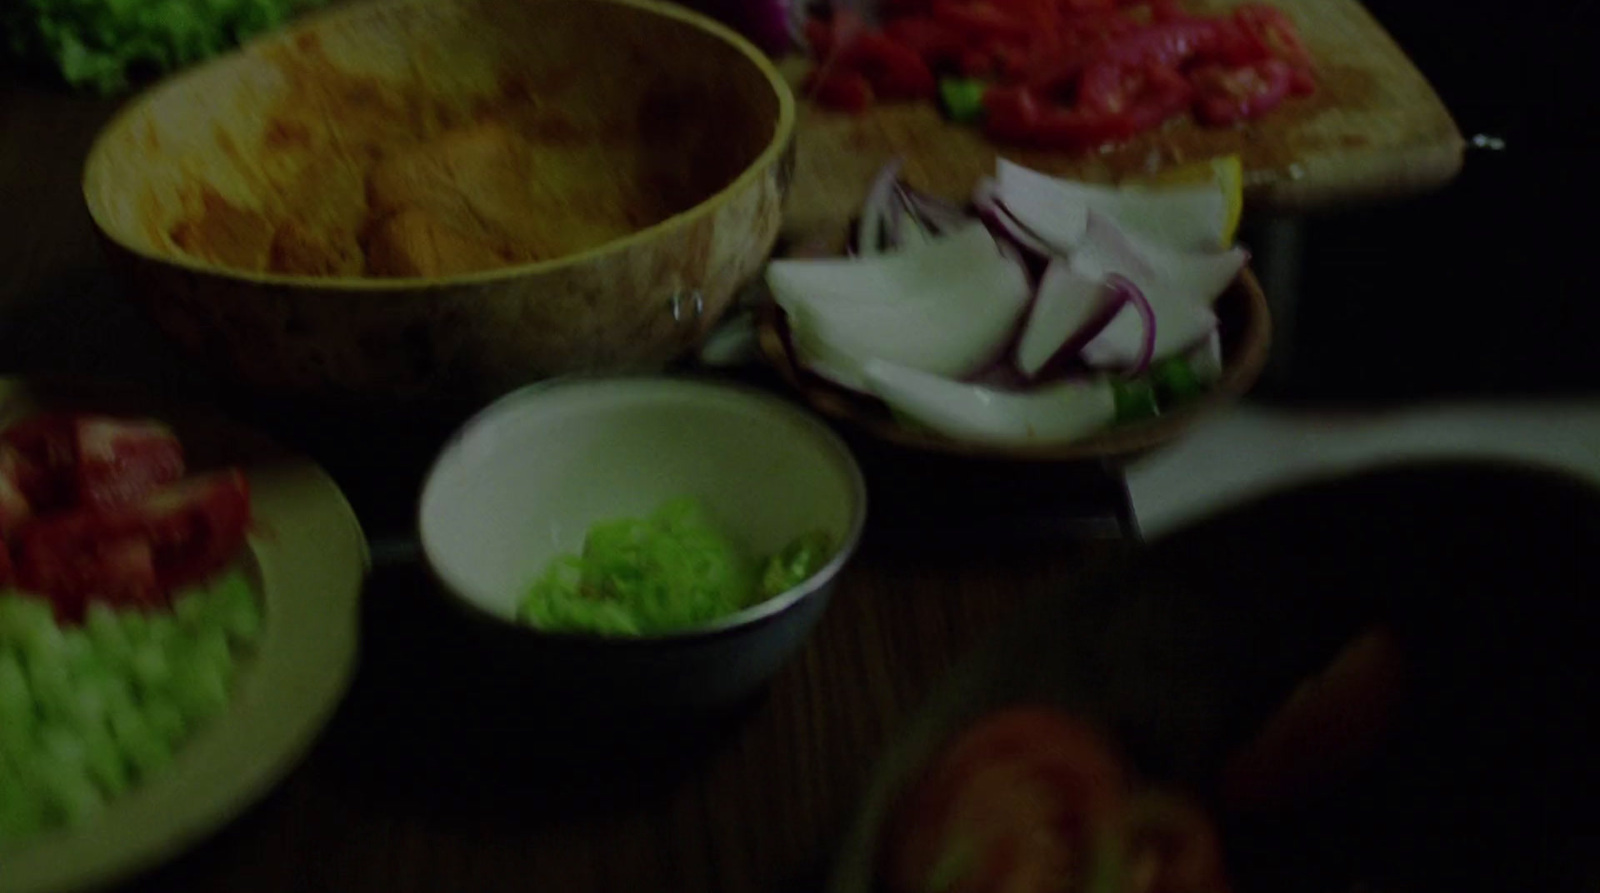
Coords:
pixel 1226 173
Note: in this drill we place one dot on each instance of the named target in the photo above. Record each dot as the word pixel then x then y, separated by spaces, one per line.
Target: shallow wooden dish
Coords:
pixel 656 79
pixel 1244 323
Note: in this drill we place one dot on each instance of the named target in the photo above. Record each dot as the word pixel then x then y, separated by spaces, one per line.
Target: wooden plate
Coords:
pixel 1244 323
pixel 1482 571
pixel 311 558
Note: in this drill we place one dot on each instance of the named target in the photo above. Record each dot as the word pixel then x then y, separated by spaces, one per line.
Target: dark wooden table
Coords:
pixel 431 779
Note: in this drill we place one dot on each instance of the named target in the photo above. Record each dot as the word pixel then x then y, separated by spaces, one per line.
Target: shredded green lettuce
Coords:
pixel 671 570
pixel 102 45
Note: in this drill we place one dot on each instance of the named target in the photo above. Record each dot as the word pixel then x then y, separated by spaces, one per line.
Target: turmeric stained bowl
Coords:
pixel 407 200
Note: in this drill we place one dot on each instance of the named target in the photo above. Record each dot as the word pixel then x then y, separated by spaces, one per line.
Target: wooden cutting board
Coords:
pixel 1375 131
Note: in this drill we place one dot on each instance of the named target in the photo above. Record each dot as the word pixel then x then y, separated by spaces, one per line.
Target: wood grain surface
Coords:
pixel 1376 130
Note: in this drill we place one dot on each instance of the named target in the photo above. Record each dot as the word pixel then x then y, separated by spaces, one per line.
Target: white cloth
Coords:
pixel 1247 451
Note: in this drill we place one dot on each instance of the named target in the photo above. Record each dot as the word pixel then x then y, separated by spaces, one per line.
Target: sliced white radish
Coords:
pixel 1054 414
pixel 947 308
pixel 1068 310
pixel 1179 287
pixel 1184 218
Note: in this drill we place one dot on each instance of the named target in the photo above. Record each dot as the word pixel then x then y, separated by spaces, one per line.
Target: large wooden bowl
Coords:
pixel 684 96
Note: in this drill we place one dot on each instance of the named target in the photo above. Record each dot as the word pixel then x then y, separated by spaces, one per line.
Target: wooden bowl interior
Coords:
pixel 635 112
pixel 1244 323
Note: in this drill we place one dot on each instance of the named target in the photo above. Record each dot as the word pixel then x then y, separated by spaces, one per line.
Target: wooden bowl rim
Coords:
pixel 782 138
pixel 1241 369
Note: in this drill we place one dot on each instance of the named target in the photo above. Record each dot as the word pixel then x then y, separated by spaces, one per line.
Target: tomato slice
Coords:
pixel 1025 800
pixel 136 554
pixel 1172 847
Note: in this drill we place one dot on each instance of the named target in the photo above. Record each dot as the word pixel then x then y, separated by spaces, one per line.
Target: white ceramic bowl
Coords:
pixel 524 480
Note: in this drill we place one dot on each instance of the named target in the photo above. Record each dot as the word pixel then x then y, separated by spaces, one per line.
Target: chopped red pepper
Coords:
pixel 846 91
pixel 894 71
pixel 1230 95
pixel 936 43
pixel 1275 32
pixel 1070 73
pixel 981 21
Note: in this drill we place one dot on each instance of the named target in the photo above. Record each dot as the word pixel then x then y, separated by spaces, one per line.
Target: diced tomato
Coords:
pixel 88 460
pixel 819 38
pixel 204 522
pixel 18 477
pixel 936 43
pixel 136 553
pixel 1275 31
pixel 1081 6
pixel 1089 72
pixel 1116 102
pixel 893 9
pixel 975 64
pixel 1163 11
pixel 1024 801
pixel 48 443
pixel 1302 82
pixel 1010 114
pixel 1227 96
pixel 894 71
pixel 981 21
pixel 121 461
pixel 846 91
pixel 1171 44
pixel 1011 61
pixel 825 36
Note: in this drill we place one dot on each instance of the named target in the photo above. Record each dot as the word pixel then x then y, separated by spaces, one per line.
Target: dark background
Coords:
pixel 1483 288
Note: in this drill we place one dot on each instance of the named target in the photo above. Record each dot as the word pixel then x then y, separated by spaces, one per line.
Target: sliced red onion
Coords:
pixel 1029 200
pixel 1131 295
pixel 1181 218
pixel 878 210
pixel 998 217
pixel 938 214
pixel 1068 311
